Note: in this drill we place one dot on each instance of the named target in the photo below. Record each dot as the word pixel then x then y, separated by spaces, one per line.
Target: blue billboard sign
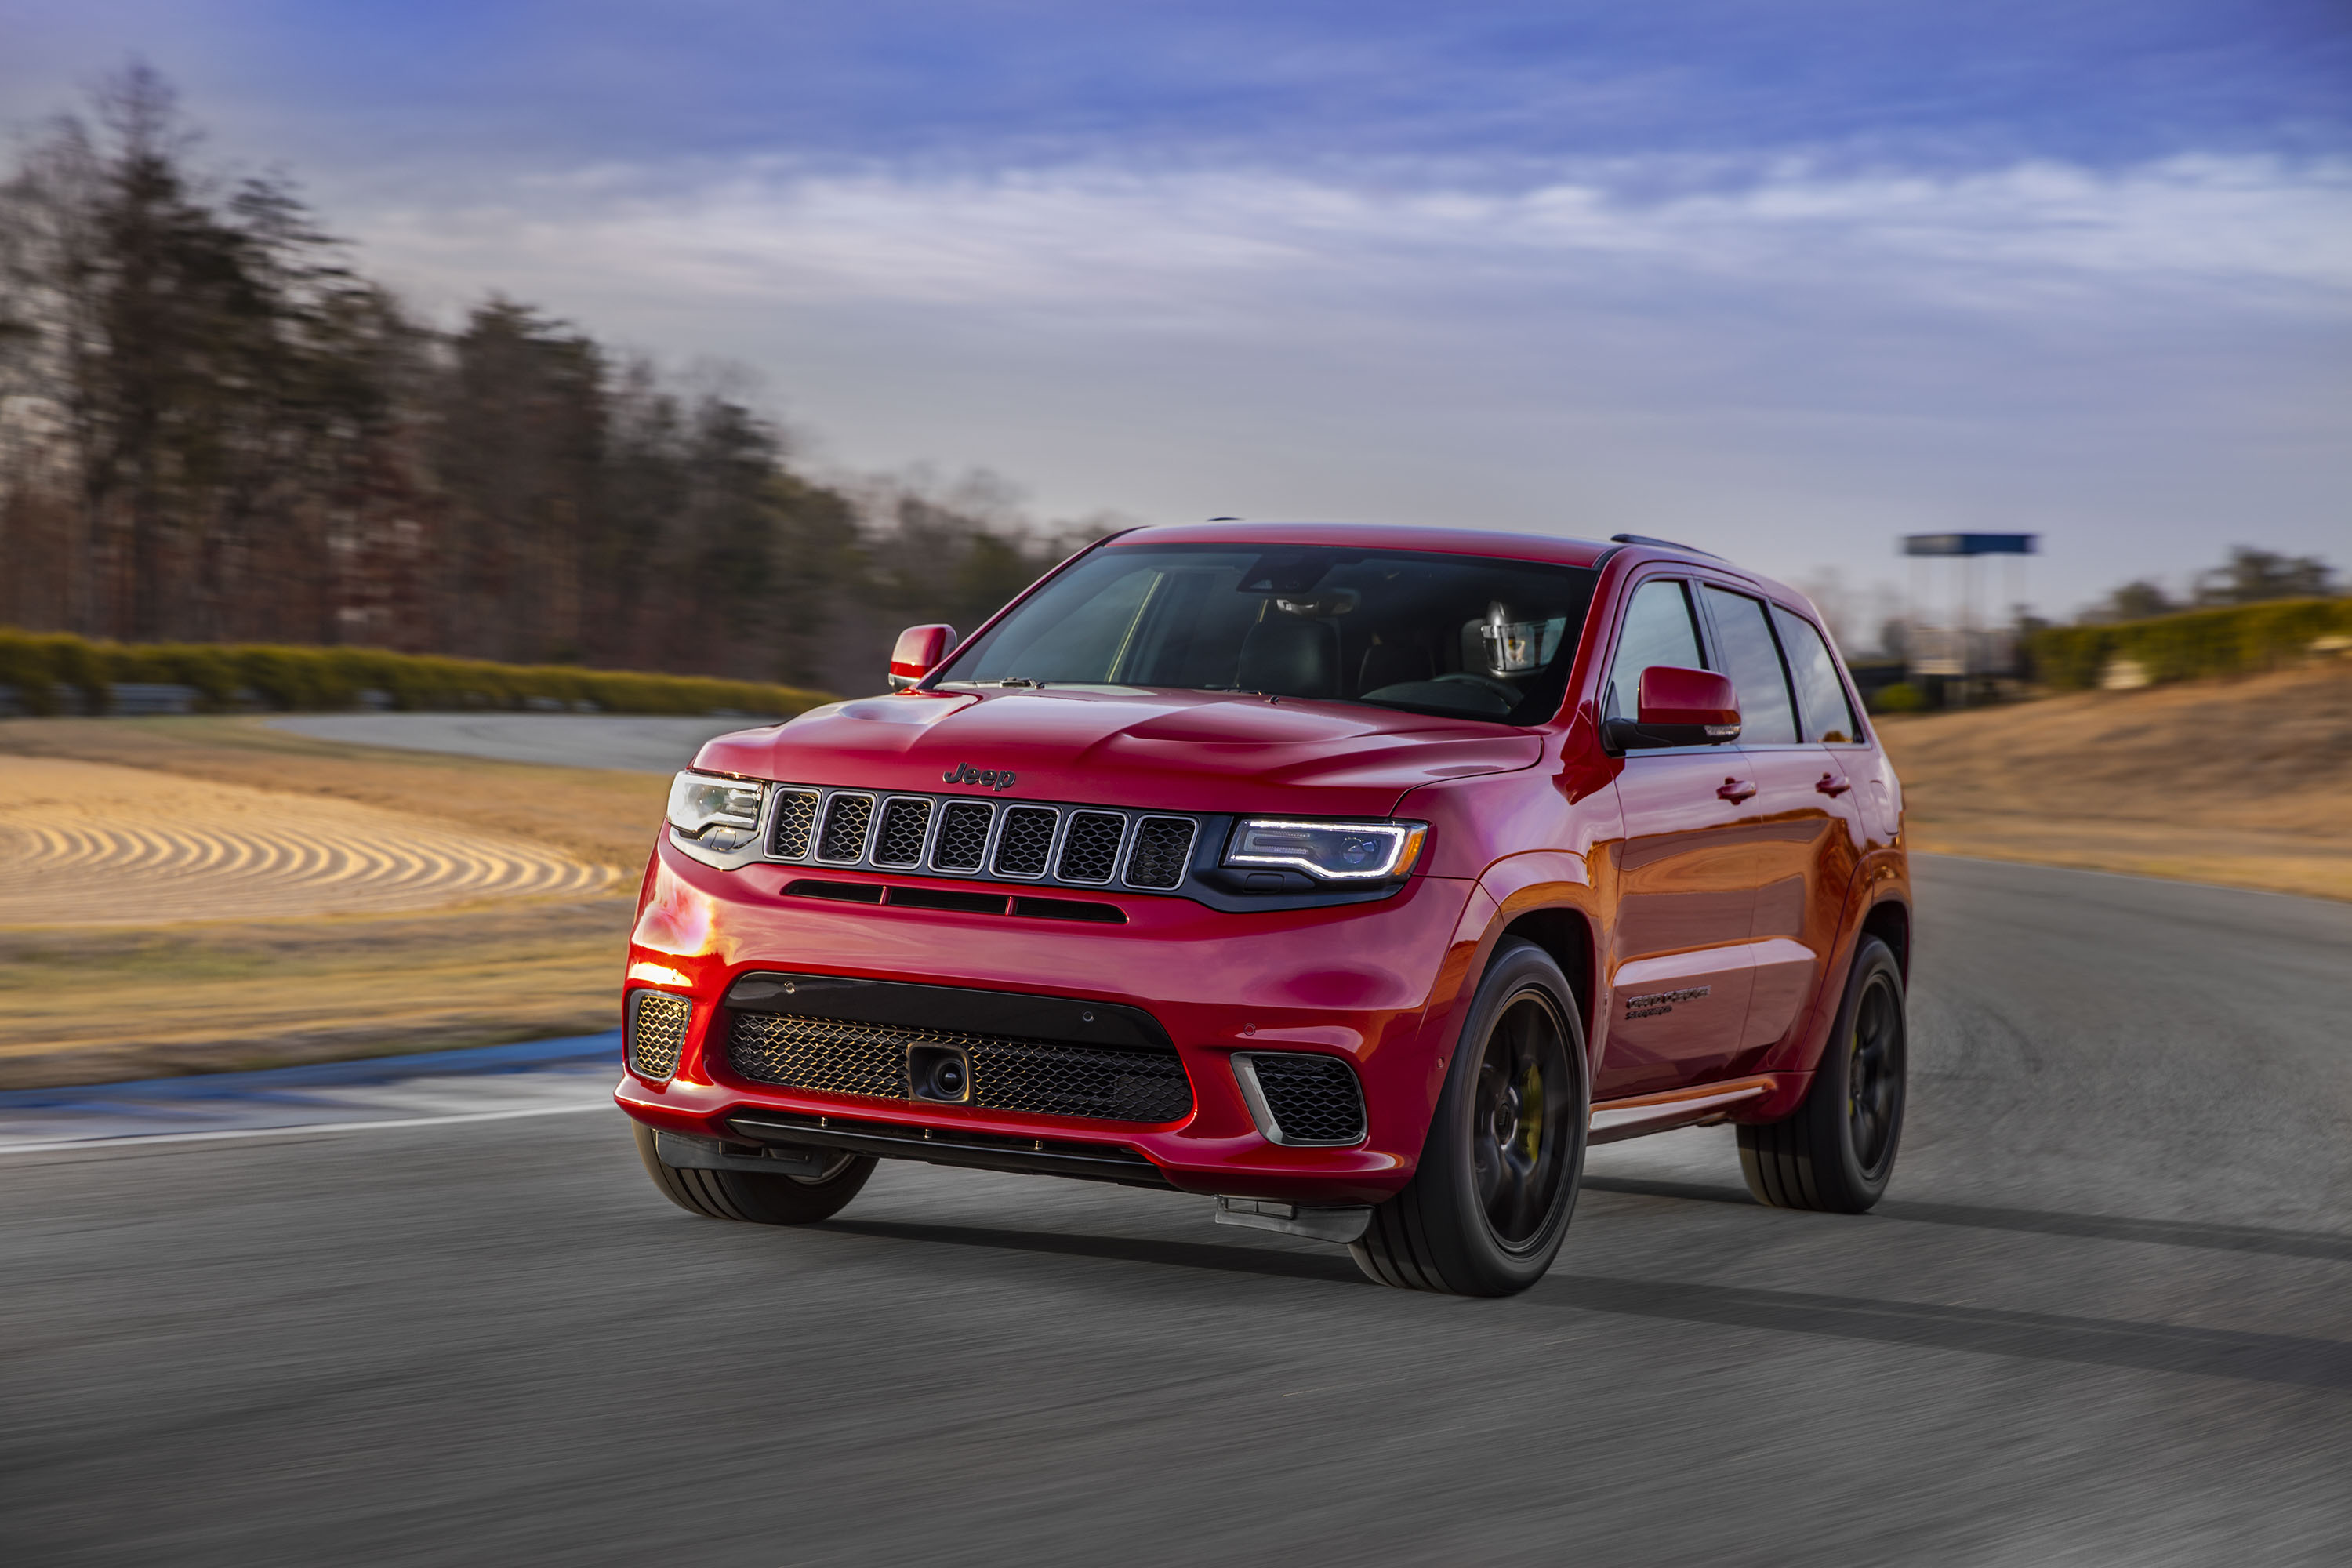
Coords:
pixel 1970 543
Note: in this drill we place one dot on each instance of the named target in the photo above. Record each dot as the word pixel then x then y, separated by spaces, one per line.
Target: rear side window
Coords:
pixel 1766 716
pixel 1658 630
pixel 1822 704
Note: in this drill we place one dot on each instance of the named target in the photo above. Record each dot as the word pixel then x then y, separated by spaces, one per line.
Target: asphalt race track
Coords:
pixel 2105 1317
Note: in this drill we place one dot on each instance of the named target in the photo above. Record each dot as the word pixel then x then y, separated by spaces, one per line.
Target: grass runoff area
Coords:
pixel 2244 782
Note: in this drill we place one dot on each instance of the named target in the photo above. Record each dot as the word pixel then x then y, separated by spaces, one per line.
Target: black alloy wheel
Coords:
pixel 1873 1080
pixel 1490 1200
pixel 1836 1152
pixel 1517 1142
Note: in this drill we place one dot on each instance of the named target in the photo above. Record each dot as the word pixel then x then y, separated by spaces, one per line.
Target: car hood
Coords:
pixel 1206 752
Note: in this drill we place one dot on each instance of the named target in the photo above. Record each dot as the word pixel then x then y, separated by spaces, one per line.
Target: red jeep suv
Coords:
pixel 1355 878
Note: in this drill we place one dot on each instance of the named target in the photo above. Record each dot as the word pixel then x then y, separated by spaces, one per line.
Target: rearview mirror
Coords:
pixel 919 650
pixel 1677 707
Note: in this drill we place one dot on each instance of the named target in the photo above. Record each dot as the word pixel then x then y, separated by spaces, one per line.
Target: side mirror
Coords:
pixel 918 651
pixel 1678 708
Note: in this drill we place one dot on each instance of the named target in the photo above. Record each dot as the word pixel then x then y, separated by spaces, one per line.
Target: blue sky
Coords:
pixel 1784 279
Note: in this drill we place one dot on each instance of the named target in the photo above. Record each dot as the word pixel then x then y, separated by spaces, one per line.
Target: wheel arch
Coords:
pixel 1565 932
pixel 1889 919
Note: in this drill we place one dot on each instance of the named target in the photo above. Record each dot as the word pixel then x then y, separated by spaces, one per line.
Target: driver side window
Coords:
pixel 1658 629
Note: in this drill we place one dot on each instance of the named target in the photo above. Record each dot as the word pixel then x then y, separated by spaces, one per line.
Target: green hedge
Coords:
pixel 1900 698
pixel 35 663
pixel 2240 640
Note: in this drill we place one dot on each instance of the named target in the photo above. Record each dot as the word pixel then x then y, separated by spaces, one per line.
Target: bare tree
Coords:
pixel 211 427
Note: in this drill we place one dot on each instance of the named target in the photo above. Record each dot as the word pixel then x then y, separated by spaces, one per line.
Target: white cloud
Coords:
pixel 2146 363
pixel 2253 233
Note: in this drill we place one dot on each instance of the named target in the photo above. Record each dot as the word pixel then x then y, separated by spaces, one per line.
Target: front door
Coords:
pixel 1680 972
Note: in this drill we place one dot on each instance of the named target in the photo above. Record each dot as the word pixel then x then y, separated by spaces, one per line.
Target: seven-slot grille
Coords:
pixel 1089 847
pixel 1038 1077
pixel 657 1023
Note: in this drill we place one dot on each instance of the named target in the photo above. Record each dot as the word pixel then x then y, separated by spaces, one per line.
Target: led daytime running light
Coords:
pixel 1332 851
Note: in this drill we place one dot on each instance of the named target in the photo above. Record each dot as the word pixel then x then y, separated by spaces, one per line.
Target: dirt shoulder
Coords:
pixel 91 1005
pixel 602 817
pixel 2245 782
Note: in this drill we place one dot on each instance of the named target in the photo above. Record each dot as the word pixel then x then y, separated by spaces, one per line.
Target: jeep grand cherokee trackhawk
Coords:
pixel 1355 878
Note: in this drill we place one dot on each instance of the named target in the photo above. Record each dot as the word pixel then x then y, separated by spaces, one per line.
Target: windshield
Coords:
pixel 1460 635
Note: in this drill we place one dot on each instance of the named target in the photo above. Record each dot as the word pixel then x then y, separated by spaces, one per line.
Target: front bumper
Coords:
pixel 1365 983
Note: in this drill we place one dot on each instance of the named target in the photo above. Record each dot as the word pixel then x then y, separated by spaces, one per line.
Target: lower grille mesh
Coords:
pixel 657 1023
pixel 1038 1077
pixel 1314 1100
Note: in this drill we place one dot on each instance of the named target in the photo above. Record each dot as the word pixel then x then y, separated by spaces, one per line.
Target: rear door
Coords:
pixel 1828 721
pixel 1679 967
pixel 1801 860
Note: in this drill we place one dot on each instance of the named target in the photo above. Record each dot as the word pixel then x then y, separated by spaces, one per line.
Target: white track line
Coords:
pixel 136 1139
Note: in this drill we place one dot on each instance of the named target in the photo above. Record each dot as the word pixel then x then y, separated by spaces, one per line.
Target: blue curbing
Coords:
pixel 265 1084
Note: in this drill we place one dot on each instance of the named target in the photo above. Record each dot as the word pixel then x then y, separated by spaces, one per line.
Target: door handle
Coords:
pixel 1833 784
pixel 1736 790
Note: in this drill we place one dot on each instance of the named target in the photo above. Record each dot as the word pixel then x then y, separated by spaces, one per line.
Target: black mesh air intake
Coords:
pixel 847 818
pixel 1027 838
pixel 900 842
pixel 1162 844
pixel 795 821
pixel 1091 848
pixel 963 834
pixel 1038 1077
pixel 1313 1098
pixel 657 1023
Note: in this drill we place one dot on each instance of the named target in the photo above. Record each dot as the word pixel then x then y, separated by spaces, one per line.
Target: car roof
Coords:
pixel 1545 547
pixel 1379 536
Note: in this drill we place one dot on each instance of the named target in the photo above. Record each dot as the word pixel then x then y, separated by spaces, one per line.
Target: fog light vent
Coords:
pixel 657 1023
pixel 1300 1097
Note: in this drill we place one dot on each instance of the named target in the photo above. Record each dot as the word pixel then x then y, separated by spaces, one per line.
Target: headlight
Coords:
pixel 1335 851
pixel 723 814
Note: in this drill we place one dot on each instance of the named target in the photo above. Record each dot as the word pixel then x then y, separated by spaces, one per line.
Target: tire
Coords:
pixel 1489 1202
pixel 1834 1152
pixel 761 1200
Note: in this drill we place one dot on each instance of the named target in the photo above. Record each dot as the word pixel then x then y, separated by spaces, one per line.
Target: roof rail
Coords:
pixel 1662 544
